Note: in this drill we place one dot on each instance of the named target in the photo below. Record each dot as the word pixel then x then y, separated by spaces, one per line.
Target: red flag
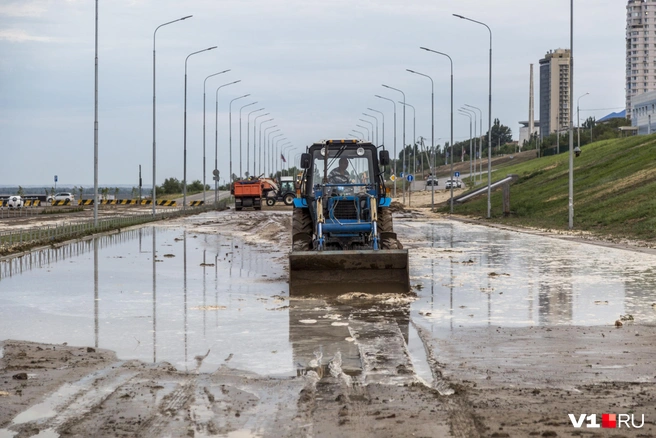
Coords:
pixel 282 157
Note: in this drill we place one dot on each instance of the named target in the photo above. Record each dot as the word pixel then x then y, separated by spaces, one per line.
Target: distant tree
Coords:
pixel 81 189
pixel 195 186
pixel 105 192
pixel 116 190
pixel 501 134
pixel 20 191
pixel 591 122
pixel 234 177
pixel 170 186
pixel 134 192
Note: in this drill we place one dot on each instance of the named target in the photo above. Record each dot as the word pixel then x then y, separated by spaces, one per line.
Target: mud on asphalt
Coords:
pixel 484 381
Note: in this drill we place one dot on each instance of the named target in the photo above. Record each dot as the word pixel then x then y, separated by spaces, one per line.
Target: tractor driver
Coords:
pixel 340 175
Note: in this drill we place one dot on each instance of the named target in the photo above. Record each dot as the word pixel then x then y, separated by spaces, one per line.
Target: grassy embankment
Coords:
pixel 614 191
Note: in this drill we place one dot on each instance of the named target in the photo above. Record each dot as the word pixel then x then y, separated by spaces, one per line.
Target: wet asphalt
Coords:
pixel 218 293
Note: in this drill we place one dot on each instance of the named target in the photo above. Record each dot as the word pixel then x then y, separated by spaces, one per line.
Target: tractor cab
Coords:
pixel 345 180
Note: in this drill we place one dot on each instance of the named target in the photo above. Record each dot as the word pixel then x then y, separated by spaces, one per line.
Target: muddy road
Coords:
pixel 186 328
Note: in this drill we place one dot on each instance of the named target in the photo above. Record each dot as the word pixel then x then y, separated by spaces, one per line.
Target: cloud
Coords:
pixel 20 36
pixel 23 8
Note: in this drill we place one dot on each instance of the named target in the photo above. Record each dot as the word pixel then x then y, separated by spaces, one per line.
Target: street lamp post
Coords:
pixel 430 163
pixel 403 163
pixel 372 128
pixel 154 121
pixel 272 151
pixel 277 154
pixel 184 177
pixel 382 115
pixel 451 61
pixel 376 119
pixel 263 148
pixel 255 161
pixel 578 120
pixel 480 144
pixel 395 160
pixel 489 132
pixel 230 129
pixel 366 129
pixel 360 134
pixel 471 151
pixel 466 113
pixel 571 122
pixel 248 146
pixel 414 135
pixel 216 139
pixel 204 165
pixel 260 164
pixel 284 151
pixel 241 174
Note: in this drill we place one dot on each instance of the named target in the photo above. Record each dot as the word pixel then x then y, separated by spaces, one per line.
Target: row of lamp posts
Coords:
pixel 466 111
pixel 262 154
pixel 274 148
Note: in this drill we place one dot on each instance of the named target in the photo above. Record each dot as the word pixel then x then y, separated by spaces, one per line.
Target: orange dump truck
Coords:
pixel 249 193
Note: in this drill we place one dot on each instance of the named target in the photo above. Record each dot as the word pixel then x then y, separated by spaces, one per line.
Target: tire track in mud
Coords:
pixel 72 402
pixel 169 407
pixel 462 419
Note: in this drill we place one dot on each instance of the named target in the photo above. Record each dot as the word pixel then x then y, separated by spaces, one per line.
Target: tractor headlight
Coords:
pixel 360 151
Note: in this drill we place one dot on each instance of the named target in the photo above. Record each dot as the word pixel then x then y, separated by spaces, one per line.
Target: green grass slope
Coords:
pixel 614 190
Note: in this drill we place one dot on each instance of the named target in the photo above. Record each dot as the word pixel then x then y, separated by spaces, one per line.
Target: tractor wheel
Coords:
pixel 302 229
pixel 386 232
pixel 289 199
pixel 271 202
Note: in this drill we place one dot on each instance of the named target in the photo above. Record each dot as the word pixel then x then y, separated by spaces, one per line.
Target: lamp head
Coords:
pixel 459 16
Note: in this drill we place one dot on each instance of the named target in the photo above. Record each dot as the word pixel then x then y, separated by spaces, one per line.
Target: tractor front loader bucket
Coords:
pixel 339 272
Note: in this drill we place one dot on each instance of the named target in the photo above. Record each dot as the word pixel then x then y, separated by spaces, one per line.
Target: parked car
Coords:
pixel 431 182
pixel 61 197
pixel 453 182
pixel 15 202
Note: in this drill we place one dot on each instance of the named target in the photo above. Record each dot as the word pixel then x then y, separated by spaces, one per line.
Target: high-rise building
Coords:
pixel 640 49
pixel 554 92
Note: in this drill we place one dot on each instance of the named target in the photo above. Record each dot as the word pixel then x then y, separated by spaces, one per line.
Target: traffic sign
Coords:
pixel 55 178
pixel 400 174
pixel 457 174
pixel 215 172
pixel 410 178
pixel 393 178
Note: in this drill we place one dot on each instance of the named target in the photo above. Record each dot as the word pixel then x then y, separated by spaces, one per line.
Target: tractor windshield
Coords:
pixel 345 166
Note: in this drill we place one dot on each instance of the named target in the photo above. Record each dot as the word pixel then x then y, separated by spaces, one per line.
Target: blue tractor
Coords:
pixel 342 233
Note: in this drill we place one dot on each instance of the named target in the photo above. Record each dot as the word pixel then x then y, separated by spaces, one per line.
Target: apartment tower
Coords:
pixel 554 92
pixel 640 49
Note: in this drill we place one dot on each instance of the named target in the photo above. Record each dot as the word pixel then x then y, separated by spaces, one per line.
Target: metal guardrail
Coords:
pixel 15 240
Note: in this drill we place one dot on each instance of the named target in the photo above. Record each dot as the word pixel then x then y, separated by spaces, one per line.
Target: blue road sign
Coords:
pixel 410 178
pixel 55 178
pixel 457 174
pixel 401 174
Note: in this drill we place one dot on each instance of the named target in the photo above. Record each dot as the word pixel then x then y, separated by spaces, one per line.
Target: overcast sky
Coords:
pixel 315 66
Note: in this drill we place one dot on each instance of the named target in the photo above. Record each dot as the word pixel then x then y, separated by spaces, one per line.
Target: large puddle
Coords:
pixel 473 276
pixel 220 294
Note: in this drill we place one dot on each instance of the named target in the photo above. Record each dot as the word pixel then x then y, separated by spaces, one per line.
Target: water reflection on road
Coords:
pixel 471 276
pixel 219 293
